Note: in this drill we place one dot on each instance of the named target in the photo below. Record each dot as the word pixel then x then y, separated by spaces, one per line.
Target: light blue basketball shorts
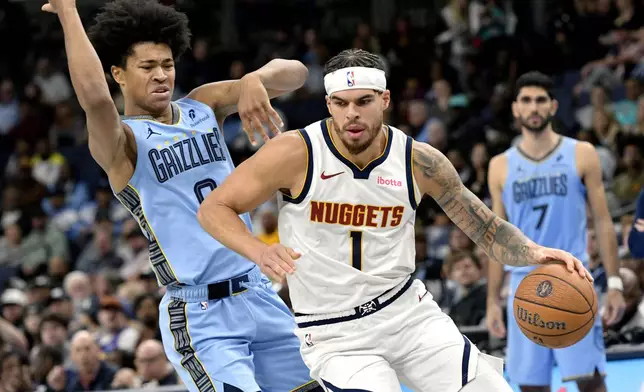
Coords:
pixel 530 364
pixel 243 342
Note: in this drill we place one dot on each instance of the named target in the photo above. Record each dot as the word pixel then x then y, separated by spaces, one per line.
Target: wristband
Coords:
pixel 615 283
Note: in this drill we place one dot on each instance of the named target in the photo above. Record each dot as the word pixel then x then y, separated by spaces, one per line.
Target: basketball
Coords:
pixel 554 307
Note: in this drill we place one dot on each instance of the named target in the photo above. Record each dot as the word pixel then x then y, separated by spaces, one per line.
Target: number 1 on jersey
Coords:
pixel 356 249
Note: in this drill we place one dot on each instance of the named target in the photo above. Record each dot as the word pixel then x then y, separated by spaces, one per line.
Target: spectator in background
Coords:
pixel 90 373
pixel 630 182
pixel 638 129
pixel 68 128
pixel 14 373
pixel 467 288
pixel 599 101
pixel 48 248
pixel 269 234
pixel 133 249
pixel 606 129
pixel 13 303
pixel 42 360
pixel 53 83
pixel 146 311
pixel 46 163
pixel 114 332
pixel 636 236
pixel 153 366
pixel 626 109
pixel 9 107
pixel 480 159
pixel 633 319
pixel 12 243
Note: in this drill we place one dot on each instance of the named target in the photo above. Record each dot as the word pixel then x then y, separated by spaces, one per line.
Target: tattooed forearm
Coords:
pixel 498 238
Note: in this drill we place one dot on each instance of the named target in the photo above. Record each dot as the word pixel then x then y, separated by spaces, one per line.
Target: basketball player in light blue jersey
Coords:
pixel 542 186
pixel 223 327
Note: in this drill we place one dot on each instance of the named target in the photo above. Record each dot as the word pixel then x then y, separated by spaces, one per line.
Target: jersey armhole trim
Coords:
pixel 308 177
pixel 409 170
pixel 132 201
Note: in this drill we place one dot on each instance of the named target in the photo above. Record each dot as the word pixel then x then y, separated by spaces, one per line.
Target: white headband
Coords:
pixel 352 78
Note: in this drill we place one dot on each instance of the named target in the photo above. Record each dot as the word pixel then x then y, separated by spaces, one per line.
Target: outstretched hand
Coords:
pixel 255 110
pixel 543 255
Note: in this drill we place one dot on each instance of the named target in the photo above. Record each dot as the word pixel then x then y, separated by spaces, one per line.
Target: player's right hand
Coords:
pixel 494 320
pixel 277 261
pixel 54 6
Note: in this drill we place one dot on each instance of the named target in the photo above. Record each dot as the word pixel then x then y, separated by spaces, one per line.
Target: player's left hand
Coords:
pixel 255 110
pixel 543 255
pixel 614 307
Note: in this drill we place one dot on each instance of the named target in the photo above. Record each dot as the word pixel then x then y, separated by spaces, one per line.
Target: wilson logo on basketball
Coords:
pixel 388 182
pixel 536 320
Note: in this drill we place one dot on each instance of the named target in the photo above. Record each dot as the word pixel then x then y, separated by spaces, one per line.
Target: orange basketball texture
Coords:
pixel 554 307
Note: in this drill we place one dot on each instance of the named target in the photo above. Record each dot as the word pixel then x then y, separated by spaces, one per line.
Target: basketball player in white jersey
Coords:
pixel 349 186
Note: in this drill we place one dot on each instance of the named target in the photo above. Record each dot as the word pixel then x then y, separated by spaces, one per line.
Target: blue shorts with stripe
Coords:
pixel 243 342
pixel 530 364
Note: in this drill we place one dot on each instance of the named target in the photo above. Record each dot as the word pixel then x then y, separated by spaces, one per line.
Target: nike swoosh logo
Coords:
pixel 326 177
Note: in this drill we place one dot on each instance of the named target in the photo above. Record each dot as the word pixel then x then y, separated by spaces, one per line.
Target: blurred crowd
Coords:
pixel 78 301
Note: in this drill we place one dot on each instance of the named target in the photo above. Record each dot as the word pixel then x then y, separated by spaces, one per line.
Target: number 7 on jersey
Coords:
pixel 356 249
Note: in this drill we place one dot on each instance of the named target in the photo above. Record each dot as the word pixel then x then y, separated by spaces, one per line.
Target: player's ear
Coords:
pixel 328 103
pixel 515 109
pixel 386 99
pixel 117 74
pixel 555 106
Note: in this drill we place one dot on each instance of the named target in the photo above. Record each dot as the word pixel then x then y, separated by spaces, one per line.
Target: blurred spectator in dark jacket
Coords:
pixel 636 236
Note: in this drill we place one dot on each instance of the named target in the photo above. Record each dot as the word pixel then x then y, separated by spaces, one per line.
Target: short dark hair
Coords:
pixel 534 79
pixel 460 255
pixel 53 318
pixel 124 23
pixel 353 58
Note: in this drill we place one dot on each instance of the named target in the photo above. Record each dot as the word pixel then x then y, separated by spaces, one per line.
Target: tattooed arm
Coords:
pixel 502 241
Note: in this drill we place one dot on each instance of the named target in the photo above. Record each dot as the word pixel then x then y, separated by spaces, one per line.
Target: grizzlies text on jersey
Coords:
pixel 177 166
pixel 546 199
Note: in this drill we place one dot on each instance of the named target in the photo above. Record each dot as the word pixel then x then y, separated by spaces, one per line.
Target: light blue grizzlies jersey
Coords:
pixel 546 199
pixel 177 166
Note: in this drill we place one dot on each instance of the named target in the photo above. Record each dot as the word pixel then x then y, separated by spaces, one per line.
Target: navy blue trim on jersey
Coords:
pixel 466 361
pixel 410 174
pixel 358 174
pixel 360 311
pixel 309 171
pixel 333 388
pixel 548 154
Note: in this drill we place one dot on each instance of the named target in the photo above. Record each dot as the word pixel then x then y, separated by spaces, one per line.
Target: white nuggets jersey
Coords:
pixel 354 227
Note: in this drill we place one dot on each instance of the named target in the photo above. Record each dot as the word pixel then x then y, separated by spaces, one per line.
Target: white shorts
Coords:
pixel 410 341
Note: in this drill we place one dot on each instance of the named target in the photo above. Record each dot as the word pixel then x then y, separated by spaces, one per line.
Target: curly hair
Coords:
pixel 353 58
pixel 121 24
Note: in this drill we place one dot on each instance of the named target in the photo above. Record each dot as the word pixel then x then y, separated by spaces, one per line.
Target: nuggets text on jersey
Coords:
pixel 357 215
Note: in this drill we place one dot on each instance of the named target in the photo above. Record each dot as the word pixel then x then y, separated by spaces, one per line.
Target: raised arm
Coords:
pixel 502 241
pixel 280 164
pixel 107 138
pixel 276 78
